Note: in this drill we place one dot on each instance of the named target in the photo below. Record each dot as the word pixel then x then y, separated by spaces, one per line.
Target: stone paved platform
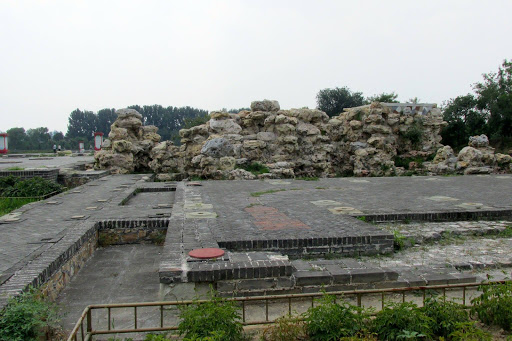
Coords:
pixel 40 237
pixel 295 217
pixel 43 162
pixel 263 225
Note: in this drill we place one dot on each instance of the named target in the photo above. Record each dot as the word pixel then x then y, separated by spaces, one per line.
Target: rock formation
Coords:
pixel 477 158
pixel 129 144
pixel 362 141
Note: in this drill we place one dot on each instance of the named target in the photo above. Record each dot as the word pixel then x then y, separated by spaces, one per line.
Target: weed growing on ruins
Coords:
pixel 494 306
pixel 286 328
pixel 468 331
pixel 402 320
pixel 331 320
pixel 445 314
pixel 255 168
pixel 156 337
pixel 15 168
pixel 270 191
pixel 400 241
pixel 29 317
pixel 414 133
pixel 216 319
pixel 506 233
pixel 11 186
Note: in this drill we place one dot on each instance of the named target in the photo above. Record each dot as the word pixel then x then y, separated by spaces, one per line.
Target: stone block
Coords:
pixel 367 275
pixel 256 284
pixel 303 278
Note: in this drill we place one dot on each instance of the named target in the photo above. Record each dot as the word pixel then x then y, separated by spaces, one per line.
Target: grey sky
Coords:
pixel 61 55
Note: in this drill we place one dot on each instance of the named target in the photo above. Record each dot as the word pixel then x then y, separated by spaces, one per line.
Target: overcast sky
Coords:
pixel 57 56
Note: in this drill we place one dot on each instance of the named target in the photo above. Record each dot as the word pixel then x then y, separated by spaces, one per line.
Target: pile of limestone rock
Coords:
pixel 129 144
pixel 362 141
pixel 477 158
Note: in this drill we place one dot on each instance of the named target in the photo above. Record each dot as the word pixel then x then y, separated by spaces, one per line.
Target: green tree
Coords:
pixel 18 139
pixel 81 123
pixel 57 136
pixel 39 138
pixel 494 98
pixel 333 101
pixel 384 98
pixel 104 119
pixel 464 120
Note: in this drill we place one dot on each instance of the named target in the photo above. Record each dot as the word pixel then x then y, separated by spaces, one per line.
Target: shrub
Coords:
pixel 468 331
pixel 15 187
pixel 331 321
pixel 210 320
pixel 286 328
pixel 446 315
pixel 494 306
pixel 29 317
pixel 255 168
pixel 400 321
pixel 414 134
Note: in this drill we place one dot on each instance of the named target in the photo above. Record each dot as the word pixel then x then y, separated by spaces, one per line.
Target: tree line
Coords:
pixel 83 124
pixel 486 111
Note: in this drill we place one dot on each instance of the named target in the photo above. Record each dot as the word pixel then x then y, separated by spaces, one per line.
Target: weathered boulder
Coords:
pixel 478 141
pixel 265 105
pixel 226 126
pixel 217 147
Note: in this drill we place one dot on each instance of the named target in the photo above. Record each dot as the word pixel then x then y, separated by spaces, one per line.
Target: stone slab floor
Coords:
pixel 129 273
pixel 46 162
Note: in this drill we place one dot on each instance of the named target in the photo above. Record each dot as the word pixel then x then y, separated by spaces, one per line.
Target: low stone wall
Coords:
pixel 63 275
pixel 119 232
pixel 48 174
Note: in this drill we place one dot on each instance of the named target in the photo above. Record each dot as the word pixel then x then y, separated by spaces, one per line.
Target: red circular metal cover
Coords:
pixel 206 253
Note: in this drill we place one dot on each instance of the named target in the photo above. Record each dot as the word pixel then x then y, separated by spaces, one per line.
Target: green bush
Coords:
pixel 286 328
pixel 402 321
pixel 446 315
pixel 10 204
pixel 494 306
pixel 28 317
pixel 255 168
pixel 34 187
pixel 468 331
pixel 156 337
pixel 331 320
pixel 414 134
pixel 216 319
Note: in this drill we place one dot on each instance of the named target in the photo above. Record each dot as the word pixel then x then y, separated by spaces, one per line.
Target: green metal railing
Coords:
pixel 84 329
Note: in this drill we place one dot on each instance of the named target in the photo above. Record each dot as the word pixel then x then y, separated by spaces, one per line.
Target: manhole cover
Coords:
pixel 325 202
pixel 206 253
pixel 344 210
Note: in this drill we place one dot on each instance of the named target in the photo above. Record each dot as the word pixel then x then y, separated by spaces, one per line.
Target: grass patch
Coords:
pixel 270 191
pixel 506 233
pixel 15 168
pixel 8 205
